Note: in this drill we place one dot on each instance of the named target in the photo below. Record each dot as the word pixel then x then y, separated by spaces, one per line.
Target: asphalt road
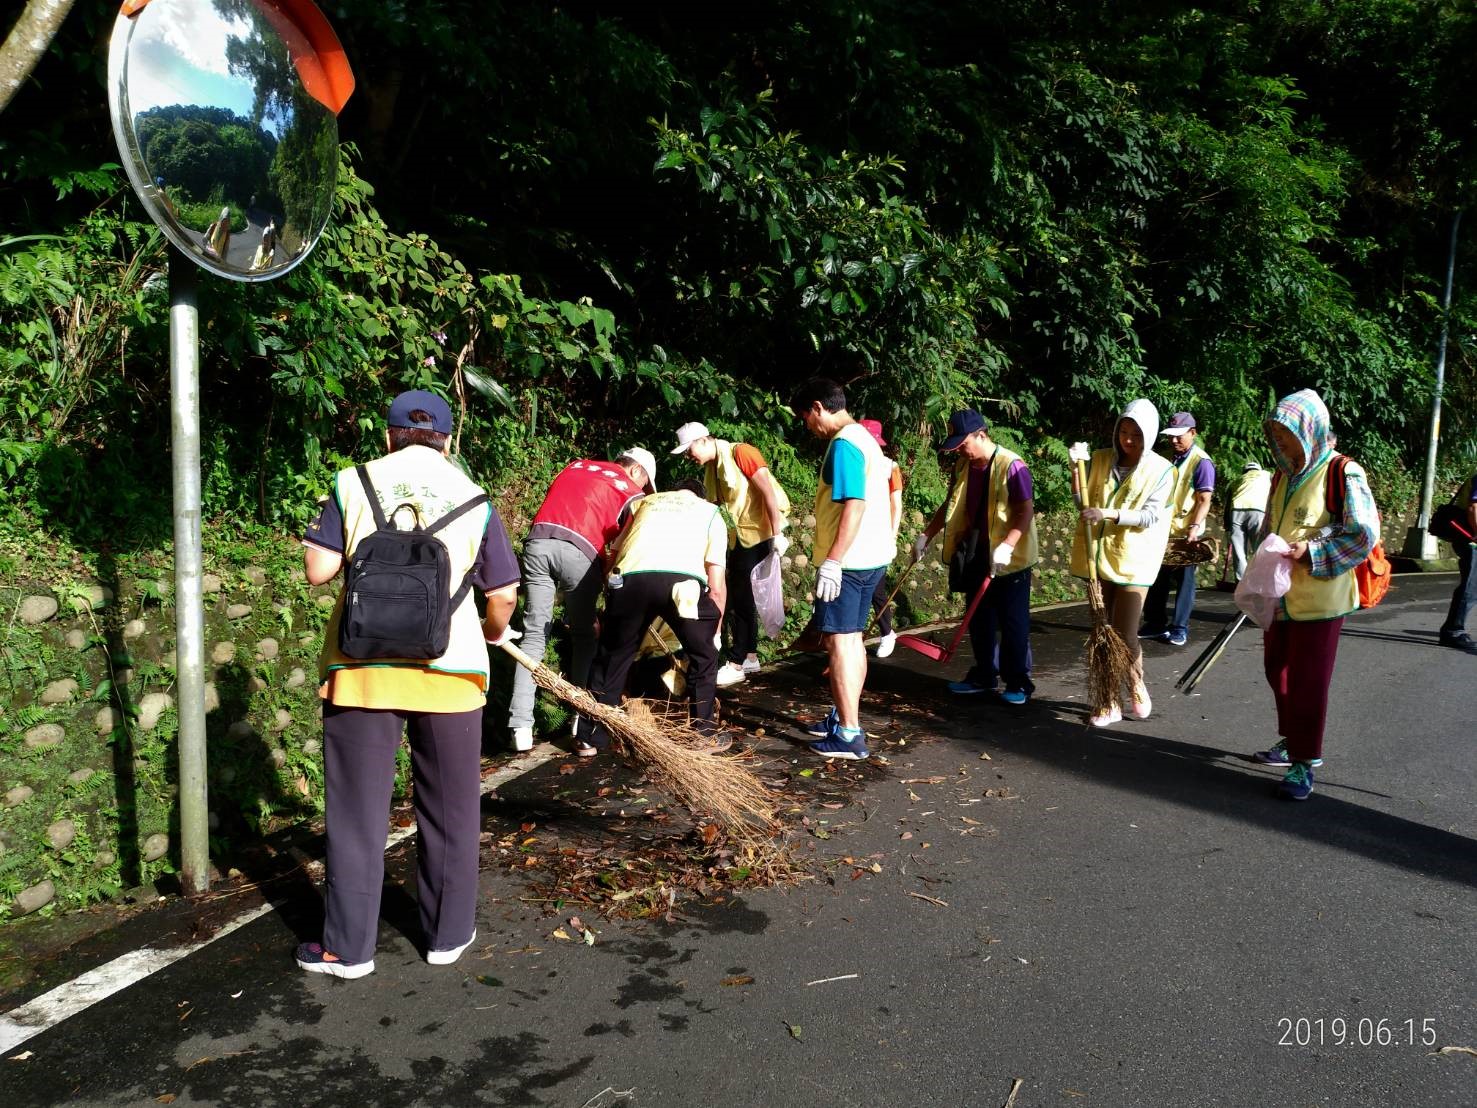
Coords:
pixel 1125 917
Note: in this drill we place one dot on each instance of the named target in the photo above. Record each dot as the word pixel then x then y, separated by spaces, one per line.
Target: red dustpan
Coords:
pixel 944 653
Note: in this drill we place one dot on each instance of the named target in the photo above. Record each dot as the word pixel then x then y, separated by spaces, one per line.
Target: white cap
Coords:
pixel 642 456
pixel 688 434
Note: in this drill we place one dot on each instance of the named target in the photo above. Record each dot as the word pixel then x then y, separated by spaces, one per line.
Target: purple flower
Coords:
pixel 440 337
pixel 430 360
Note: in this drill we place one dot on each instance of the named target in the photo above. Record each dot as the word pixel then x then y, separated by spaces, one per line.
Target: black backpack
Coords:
pixel 398 598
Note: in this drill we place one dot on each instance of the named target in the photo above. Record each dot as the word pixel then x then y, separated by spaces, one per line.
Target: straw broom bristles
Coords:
pixel 1109 660
pixel 722 787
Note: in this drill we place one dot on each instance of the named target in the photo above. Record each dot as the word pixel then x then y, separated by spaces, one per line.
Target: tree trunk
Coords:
pixel 27 41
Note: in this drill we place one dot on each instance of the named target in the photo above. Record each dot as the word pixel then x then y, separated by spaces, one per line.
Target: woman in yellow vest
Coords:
pixel 738 479
pixel 1301 644
pixel 1122 532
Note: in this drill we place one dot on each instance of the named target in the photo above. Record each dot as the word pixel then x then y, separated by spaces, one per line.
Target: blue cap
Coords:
pixel 962 424
pixel 419 400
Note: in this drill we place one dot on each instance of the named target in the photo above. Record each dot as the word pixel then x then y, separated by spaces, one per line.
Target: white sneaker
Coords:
pixel 523 738
pixel 887 644
pixel 447 957
pixel 751 665
pixel 729 674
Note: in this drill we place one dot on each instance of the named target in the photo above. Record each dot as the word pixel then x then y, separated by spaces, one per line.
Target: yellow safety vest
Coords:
pixel 420 476
pixel 997 512
pixel 1252 491
pixel 727 485
pixel 1182 500
pixel 1299 511
pixel 874 544
pixel 1125 555
pixel 670 532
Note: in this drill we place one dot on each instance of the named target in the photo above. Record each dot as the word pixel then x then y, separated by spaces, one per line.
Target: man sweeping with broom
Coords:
pixel 1119 547
pixel 989 523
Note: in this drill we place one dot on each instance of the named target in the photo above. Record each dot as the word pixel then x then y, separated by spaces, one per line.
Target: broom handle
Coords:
pixel 1091 542
pixel 517 655
pixel 903 577
pixel 1221 649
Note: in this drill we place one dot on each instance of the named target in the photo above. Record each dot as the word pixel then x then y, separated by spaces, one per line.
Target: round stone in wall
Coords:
pixel 76 638
pixel 238 611
pixel 255 574
pixel 59 692
pixel 241 729
pixel 326 600
pixel 156 846
pixel 44 736
pixel 151 707
pixel 61 833
pixel 297 678
pixel 134 628
pixel 37 609
pixel 268 648
pixel 256 683
pixel 29 900
pixel 95 597
pixel 311 747
pixel 223 653
pixel 801 561
pixel 107 720
pixel 104 858
pixel 210 583
pixel 212 696
pixel 277 756
pixel 281 720
pixel 81 776
pixel 19 795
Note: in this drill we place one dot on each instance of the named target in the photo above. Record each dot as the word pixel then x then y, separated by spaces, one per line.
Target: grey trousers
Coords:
pixel 359 747
pixel 550 567
pixel 1245 524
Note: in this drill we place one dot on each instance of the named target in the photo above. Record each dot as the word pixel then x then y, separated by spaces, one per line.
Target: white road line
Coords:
pixel 81 993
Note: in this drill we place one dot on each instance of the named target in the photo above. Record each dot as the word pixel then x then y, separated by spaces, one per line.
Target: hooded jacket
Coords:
pixel 1130 549
pixel 1323 587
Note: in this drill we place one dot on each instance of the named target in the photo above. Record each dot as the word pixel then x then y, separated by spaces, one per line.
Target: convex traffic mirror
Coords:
pixel 225 113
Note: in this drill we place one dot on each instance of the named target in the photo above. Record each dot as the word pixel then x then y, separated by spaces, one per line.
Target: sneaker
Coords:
pixel 751 665
pixel 1298 782
pixel 447 957
pixel 1176 638
pixel 312 958
pixel 822 728
pixel 1277 756
pixel 1015 697
pixel 887 644
pixel 523 738
pixel 843 742
pixel 1463 642
pixel 1107 718
pixel 729 674
pixel 1161 635
pixel 967 688
pixel 1141 706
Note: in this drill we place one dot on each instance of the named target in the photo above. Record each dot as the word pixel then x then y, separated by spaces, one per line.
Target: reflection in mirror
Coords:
pixel 225 146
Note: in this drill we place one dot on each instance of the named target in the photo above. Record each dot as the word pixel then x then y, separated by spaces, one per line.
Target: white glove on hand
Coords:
pixel 828 580
pixel 508 636
pixel 920 544
pixel 1195 531
pixel 1094 515
pixel 1003 553
pixel 781 544
pixel 1079 452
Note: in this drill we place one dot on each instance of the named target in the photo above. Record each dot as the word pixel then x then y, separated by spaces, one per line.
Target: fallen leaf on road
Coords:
pixel 807 773
pixel 1453 1050
pixel 739 979
pixel 906 835
pixel 923 780
pixel 484 979
pixel 1022 961
pixel 566 769
pixel 22 1056
pixel 794 1029
pixel 563 935
pixel 930 899
pixel 986 758
pixel 237 995
pixel 165 1098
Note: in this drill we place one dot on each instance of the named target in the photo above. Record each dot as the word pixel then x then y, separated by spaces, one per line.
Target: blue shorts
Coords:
pixel 849 612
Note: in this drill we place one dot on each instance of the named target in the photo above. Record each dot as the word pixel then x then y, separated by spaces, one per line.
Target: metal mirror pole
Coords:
pixel 189 605
pixel 1428 487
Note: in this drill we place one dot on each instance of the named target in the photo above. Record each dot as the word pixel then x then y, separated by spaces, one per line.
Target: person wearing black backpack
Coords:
pixel 1464 598
pixel 405 650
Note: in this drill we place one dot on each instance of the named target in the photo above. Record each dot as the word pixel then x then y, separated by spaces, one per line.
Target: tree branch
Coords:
pixel 27 41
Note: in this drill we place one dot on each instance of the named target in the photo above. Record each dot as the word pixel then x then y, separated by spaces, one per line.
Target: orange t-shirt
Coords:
pixel 748 459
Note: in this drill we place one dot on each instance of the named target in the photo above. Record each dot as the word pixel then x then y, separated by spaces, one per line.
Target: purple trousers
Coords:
pixel 1298 658
pixel 359 747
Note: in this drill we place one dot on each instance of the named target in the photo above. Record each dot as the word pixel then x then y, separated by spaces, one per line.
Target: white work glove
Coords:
pixel 1079 452
pixel 828 580
pixel 1095 515
pixel 920 544
pixel 1195 531
pixel 1003 553
pixel 780 545
pixel 508 636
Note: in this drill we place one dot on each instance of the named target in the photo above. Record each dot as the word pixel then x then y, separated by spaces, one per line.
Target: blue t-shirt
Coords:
pixel 845 470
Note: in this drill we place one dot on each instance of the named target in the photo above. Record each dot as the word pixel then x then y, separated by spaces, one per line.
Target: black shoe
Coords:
pixel 1462 642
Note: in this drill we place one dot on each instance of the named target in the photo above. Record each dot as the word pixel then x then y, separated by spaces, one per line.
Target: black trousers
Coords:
pixel 742 623
pixel 629 611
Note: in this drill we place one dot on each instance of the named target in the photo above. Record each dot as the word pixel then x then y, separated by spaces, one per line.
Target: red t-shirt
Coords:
pixel 586 506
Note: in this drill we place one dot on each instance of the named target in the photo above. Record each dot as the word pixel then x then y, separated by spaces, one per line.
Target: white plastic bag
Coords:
pixel 1265 581
pixel 769 595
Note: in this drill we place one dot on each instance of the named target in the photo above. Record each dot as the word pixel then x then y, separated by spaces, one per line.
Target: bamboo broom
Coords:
pixel 722 787
pixel 1109 660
